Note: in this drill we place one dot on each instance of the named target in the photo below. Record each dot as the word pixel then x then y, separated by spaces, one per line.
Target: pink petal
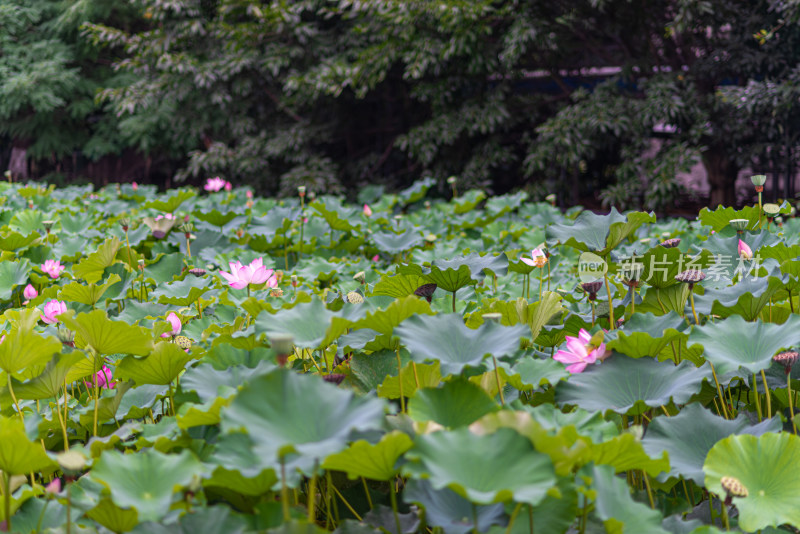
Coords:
pixel 576 347
pixel 584 336
pixel 576 367
pixel 566 357
pixel 527 261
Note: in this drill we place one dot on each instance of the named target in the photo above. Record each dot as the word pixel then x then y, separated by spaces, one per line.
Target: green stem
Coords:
pixel 541 281
pixel 7 500
pixel 719 392
pixel 366 492
pixel 400 380
pixel 758 401
pixel 284 492
pixel 474 519
pixel 766 392
pixel 789 392
pixel 454 301
pixel 610 304
pixel 513 518
pixel 497 378
pixel 691 301
pixel 393 495
pixel 16 402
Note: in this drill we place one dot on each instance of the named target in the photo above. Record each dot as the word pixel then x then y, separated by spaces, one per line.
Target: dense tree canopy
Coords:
pixel 556 96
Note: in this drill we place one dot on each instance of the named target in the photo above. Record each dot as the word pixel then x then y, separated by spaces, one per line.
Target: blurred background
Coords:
pixel 651 104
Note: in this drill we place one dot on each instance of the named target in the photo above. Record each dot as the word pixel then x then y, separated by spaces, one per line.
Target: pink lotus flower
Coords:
pixel 580 353
pixel 54 486
pixel 135 186
pixel 744 251
pixel 538 258
pixel 375 257
pixel 242 276
pixel 167 216
pixel 53 308
pixel 175 322
pixel 249 194
pixel 30 292
pixel 367 210
pixel 53 268
pixel 216 184
pixel 103 378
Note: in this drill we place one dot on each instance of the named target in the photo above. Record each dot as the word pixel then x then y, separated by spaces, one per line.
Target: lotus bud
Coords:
pixel 551 198
pixel 360 277
pixel 294 280
pixel 745 252
pixel 301 190
pixel 141 265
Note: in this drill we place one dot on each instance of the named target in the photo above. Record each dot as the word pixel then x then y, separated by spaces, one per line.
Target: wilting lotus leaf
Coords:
pixel 445 338
pixel 272 409
pixel 456 403
pixel 105 336
pixel 598 233
pixel 746 298
pixel 375 462
pixel 146 480
pixel 18 455
pixel 13 274
pixel 311 324
pixel 615 507
pixel 182 292
pixel 735 343
pixel 646 334
pixel 621 384
pixel 161 367
pixel 87 294
pixel 91 269
pixel 767 467
pixel 688 437
pixel 24 348
pixel 485 469
pixel 447 509
pixel 396 243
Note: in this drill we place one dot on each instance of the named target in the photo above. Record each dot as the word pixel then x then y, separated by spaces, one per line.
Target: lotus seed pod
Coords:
pixel 671 243
pixel 733 486
pixel 354 297
pixel 492 317
pixel 758 179
pixel 739 224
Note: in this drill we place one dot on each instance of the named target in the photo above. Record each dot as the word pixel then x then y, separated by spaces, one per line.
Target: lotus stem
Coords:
pixel 548 275
pixel 649 491
pixel 593 316
pixel 393 496
pixel 284 492
pixel 366 492
pixel 766 392
pixel 336 491
pixel 789 393
pixel 7 500
pixel 514 514
pixel 400 381
pixel 686 492
pixel 541 281
pixel 527 292
pixel 454 301
pixel 719 392
pixel 475 519
pixel 724 507
pixel 530 518
pixel 497 378
pixel 691 301
pixel 416 377
pixel 311 496
pixel 758 401
pixel 610 304
pixel 16 402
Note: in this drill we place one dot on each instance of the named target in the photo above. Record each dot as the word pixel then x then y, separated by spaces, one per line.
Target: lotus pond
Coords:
pixel 212 362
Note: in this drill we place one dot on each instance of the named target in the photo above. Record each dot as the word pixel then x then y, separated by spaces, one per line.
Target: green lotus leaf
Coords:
pixel 107 408
pixel 15 241
pixel 215 217
pixel 27 221
pixel 735 343
pixel 485 469
pixel 277 221
pixel 271 410
pixel 47 384
pixel 598 233
pixel 164 268
pixel 105 336
pixel 626 385
pixel 416 191
pixel 18 455
pixel 87 294
pixel 76 223
pixel 24 348
pixel 767 466
pixel 182 292
pixel 212 520
pixel 456 403
pixel 615 507
pixel 160 367
pixel 172 202
pixel 645 334
pixel 467 201
pixel 428 376
pixel 659 301
pixel 337 216
pixel 396 243
pixel 209 383
pixel 312 325
pixel 721 217
pixel 529 373
pixel 192 415
pixel 479 265
pixel 536 314
pixel 451 279
pixel 447 509
pixel 147 480
pixel 446 339
pixel 113 517
pixel 375 462
pixel 13 274
pixel 399 285
pixel 90 269
pixel 386 320
pixel 746 298
pixel 688 437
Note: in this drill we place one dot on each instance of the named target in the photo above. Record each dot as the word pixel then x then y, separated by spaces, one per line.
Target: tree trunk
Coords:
pixel 18 165
pixel 722 173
